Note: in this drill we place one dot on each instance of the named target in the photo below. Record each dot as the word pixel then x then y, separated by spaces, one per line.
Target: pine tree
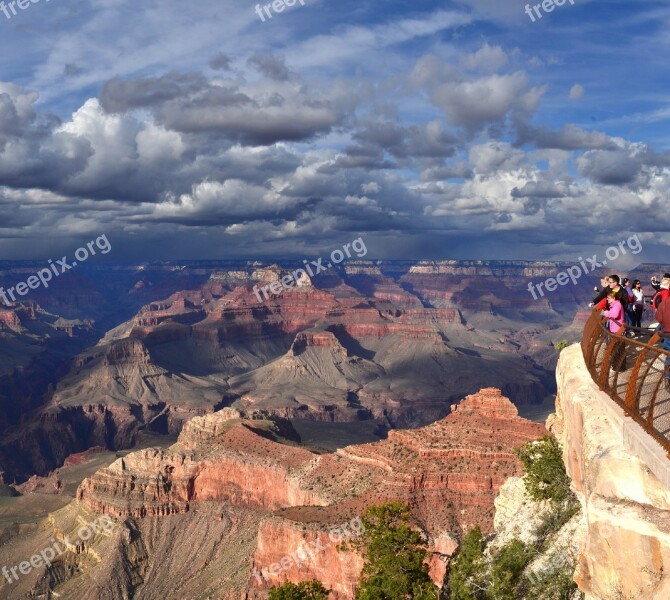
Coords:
pixel 395 555
pixel 466 573
pixel 305 590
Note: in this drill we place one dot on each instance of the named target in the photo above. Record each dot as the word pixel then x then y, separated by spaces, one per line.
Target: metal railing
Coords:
pixel 633 371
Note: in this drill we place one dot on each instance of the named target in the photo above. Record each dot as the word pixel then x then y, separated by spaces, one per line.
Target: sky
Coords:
pixel 215 129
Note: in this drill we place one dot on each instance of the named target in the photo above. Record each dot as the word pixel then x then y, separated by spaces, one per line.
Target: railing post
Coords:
pixel 591 335
pixel 632 394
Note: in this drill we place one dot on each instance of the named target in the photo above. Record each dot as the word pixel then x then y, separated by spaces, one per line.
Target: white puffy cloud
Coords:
pixel 576 92
pixel 487 58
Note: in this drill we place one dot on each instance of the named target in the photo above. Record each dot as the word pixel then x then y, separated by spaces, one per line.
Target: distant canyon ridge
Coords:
pixel 112 352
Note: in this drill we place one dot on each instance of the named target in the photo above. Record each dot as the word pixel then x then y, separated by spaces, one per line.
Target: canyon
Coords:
pixel 261 427
pixel 124 350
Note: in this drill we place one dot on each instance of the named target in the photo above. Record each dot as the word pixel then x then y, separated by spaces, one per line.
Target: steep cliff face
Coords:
pixel 228 460
pixel 372 283
pixel 625 545
pixel 489 285
pixel 315 553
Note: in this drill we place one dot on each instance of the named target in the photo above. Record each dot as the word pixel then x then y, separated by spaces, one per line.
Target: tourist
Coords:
pixel 603 285
pixel 656 284
pixel 628 313
pixel 614 312
pixel 613 282
pixel 638 303
pixel 663 317
pixel 601 294
pixel 615 321
pixel 662 294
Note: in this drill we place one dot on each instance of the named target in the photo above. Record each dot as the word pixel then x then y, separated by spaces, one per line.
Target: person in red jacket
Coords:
pixel 662 294
pixel 663 317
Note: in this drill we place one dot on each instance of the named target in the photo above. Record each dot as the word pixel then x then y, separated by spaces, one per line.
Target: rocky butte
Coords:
pixel 277 495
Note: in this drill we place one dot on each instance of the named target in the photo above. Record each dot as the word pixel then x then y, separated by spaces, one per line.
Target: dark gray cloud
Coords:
pixel 542 189
pixel 221 62
pixel 262 115
pixel 630 165
pixel 432 140
pixel 71 70
pixel 271 66
pixel 568 137
pixel 120 95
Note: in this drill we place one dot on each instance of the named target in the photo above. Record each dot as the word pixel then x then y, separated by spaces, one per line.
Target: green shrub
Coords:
pixel 551 585
pixel 545 476
pixel 561 345
pixel 507 567
pixel 394 555
pixel 306 590
pixel 466 571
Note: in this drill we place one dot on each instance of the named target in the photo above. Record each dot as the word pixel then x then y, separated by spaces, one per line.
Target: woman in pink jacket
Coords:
pixel 616 320
pixel 614 313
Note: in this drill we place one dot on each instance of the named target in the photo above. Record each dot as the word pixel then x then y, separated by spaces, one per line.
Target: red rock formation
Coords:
pixel 448 472
pixel 228 461
pixel 10 319
pixel 316 339
pixel 370 282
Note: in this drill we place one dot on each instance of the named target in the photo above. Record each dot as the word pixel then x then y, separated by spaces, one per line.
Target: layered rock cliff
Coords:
pixel 621 477
pixel 448 472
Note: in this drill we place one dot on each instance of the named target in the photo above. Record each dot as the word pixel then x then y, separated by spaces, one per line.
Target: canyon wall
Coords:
pixel 618 472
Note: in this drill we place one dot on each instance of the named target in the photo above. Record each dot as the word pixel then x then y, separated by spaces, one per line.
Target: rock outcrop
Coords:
pixel 625 545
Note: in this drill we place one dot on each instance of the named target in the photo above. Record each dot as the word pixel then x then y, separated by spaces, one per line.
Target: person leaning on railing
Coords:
pixel 615 316
pixel 663 317
pixel 614 313
pixel 604 281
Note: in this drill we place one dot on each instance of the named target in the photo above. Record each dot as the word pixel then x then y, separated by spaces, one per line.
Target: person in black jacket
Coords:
pixel 613 284
pixel 603 286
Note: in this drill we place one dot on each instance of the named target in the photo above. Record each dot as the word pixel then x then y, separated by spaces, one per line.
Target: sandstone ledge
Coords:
pixel 626 546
